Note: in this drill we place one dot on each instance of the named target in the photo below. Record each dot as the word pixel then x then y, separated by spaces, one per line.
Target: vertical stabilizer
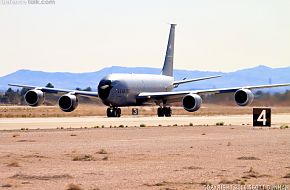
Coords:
pixel 168 62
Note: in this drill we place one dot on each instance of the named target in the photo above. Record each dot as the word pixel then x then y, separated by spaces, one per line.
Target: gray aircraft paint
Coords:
pixel 138 89
pixel 126 88
pixel 168 62
pixel 119 90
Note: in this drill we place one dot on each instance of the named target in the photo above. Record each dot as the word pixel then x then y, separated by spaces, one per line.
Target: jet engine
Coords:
pixel 244 97
pixel 191 102
pixel 68 102
pixel 34 97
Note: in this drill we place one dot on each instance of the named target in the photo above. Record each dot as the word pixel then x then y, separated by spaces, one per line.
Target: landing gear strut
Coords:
pixel 113 112
pixel 164 111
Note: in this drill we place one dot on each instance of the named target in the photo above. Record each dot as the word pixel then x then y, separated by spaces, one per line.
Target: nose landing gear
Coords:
pixel 113 112
pixel 164 111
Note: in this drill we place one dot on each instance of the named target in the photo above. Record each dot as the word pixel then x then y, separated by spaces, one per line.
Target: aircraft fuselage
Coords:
pixel 122 89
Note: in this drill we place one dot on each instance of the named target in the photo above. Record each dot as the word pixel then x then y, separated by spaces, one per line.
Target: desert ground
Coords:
pixel 145 152
pixel 97 110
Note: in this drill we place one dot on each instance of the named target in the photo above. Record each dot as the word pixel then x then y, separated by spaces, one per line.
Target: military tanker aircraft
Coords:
pixel 120 90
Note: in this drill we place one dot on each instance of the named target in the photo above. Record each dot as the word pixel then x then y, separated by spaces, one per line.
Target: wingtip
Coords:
pixel 216 76
pixel 13 84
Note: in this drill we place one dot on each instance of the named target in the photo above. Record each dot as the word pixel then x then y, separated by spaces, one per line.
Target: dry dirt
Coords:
pixel 152 157
pixel 96 110
pixel 174 157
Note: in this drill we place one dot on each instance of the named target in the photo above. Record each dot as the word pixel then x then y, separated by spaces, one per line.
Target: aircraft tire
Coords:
pixel 113 112
pixel 167 111
pixel 118 112
pixel 160 112
pixel 109 112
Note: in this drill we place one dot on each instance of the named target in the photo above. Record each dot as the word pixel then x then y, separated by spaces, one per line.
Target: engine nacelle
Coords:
pixel 191 102
pixel 244 97
pixel 34 97
pixel 68 102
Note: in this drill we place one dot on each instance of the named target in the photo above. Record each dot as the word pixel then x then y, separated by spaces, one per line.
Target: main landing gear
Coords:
pixel 113 112
pixel 164 111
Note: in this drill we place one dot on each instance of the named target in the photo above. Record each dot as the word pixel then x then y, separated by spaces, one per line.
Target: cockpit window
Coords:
pixel 105 82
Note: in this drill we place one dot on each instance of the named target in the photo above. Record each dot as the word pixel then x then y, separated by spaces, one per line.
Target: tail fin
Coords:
pixel 168 62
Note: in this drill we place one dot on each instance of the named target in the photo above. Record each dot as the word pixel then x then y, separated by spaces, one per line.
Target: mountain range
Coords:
pixel 251 76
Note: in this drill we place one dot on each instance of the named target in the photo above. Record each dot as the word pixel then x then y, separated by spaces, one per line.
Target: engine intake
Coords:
pixel 244 97
pixel 34 97
pixel 68 102
pixel 191 102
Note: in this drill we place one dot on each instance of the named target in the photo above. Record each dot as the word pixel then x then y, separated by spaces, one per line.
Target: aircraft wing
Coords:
pixel 57 90
pixel 171 96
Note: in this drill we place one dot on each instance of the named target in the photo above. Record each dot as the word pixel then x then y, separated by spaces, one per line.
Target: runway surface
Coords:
pixel 77 122
pixel 142 158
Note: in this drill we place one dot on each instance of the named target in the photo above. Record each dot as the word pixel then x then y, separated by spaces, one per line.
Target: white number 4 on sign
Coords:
pixel 261 117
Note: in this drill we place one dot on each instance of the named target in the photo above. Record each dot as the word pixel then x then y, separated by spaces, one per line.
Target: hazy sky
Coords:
pixel 87 35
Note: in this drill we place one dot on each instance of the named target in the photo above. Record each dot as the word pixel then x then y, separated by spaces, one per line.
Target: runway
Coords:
pixel 91 121
pixel 142 157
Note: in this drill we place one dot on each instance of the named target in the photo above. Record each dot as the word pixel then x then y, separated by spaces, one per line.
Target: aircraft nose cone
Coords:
pixel 104 88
